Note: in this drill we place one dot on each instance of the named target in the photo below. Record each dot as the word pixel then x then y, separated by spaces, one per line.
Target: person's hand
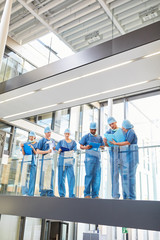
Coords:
pixel 102 147
pixel 105 140
pixel 31 146
pixel 22 145
pixel 50 150
pixel 60 150
pixel 113 142
pixel 88 147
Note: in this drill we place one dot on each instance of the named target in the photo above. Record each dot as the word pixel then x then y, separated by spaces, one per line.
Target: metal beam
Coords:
pixel 30 8
pixel 110 15
pixel 49 6
pixel 122 213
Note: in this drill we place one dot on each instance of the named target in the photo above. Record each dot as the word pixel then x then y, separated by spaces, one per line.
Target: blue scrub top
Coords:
pixel 131 136
pixel 86 139
pixel 71 146
pixel 33 154
pixel 43 144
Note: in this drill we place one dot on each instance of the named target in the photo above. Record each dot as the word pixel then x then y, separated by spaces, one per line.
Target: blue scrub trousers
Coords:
pixel 29 187
pixel 127 167
pixel 62 172
pixel 114 167
pixel 50 190
pixel 32 180
pixel 93 177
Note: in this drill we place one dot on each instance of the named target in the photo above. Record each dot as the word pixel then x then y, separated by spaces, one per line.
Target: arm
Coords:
pixel 85 147
pixel 120 143
pixel 43 152
pixel 35 152
pixel 23 152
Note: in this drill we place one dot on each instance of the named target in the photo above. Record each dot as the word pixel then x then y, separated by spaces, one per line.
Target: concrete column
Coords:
pixel 4 26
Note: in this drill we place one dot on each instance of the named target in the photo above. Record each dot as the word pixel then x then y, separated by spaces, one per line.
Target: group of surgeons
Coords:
pixel 123 152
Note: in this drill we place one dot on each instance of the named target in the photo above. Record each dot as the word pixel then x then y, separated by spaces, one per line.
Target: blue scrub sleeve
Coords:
pixel 35 146
pixel 74 146
pixel 58 146
pixel 102 143
pixel 40 144
pixel 130 136
pixel 83 140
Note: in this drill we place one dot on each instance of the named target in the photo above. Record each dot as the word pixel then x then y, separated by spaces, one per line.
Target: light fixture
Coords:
pixel 88 75
pixel 152 54
pixel 93 37
pixel 33 110
pixel 149 14
pixel 13 98
pixel 108 91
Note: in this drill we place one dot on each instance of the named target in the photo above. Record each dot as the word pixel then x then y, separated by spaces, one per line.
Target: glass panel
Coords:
pixel 5 127
pixel 118 113
pixel 104 117
pixel 32 119
pixel 20 136
pixel 45 119
pixel 74 122
pixel 32 229
pixel 12 69
pixel 3 69
pixel 145 117
pixel 61 121
pixel 9 227
pixel 63 231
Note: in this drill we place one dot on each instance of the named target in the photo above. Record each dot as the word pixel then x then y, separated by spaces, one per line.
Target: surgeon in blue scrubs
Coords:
pixel 129 160
pixel 45 147
pixel 92 162
pixel 31 145
pixel 65 164
pixel 114 158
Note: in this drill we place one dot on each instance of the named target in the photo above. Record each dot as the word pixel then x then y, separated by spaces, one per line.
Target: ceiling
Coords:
pixel 79 23
pixel 120 75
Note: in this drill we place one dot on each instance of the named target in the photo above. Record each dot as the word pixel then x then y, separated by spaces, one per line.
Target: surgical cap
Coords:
pixel 32 134
pixel 67 130
pixel 93 125
pixel 127 125
pixel 111 120
pixel 47 129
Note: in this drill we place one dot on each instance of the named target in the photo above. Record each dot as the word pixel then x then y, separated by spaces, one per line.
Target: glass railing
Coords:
pixel 11 68
pixel 122 173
